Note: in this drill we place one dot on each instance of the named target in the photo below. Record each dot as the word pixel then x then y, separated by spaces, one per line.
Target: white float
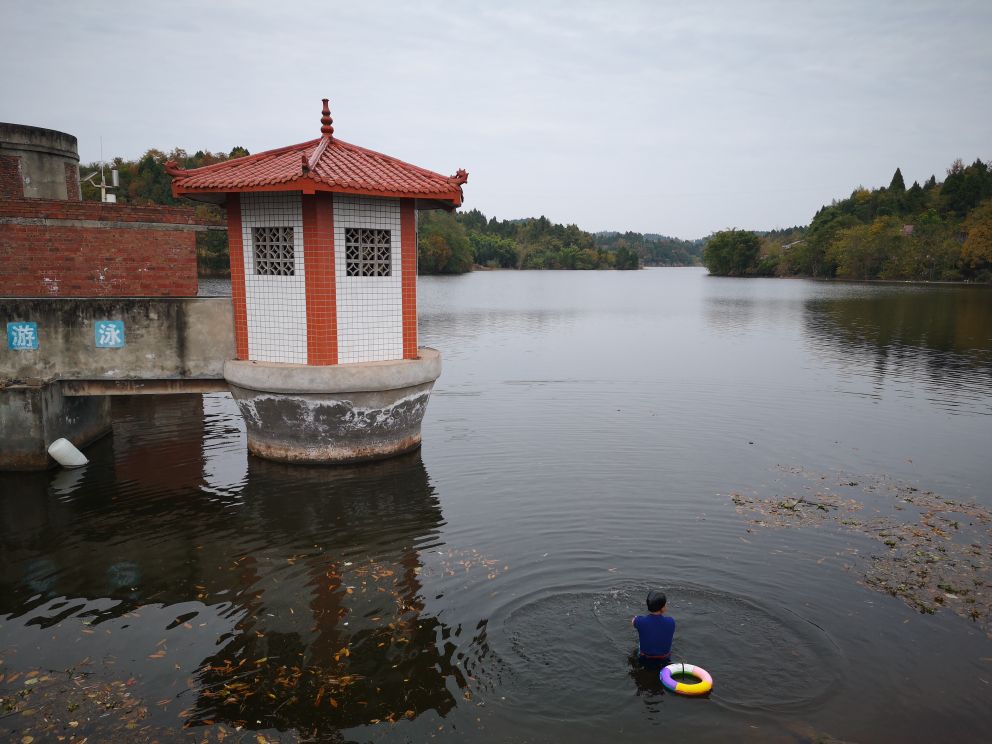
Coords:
pixel 65 454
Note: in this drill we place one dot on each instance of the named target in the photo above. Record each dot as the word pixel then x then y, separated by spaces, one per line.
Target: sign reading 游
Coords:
pixel 109 334
pixel 22 335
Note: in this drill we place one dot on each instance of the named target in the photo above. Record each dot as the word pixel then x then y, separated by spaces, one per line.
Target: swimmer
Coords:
pixel 655 632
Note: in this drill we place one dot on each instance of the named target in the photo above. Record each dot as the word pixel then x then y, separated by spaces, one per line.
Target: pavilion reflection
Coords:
pixel 306 586
pixel 335 632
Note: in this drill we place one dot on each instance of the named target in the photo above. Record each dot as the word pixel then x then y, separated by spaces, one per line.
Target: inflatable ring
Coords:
pixel 704 685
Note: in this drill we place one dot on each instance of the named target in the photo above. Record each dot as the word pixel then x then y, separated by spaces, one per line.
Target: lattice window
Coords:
pixel 273 251
pixel 368 252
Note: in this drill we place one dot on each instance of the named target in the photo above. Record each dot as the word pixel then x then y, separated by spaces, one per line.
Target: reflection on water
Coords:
pixel 580 448
pixel 302 608
pixel 940 336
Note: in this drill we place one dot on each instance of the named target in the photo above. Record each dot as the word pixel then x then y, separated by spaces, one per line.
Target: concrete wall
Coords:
pixel 34 416
pixel 48 161
pixel 164 338
pixel 89 249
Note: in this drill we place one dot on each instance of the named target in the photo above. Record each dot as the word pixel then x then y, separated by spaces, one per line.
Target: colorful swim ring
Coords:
pixel 704 685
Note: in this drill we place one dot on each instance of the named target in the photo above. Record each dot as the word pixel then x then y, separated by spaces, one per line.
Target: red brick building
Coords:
pixel 54 244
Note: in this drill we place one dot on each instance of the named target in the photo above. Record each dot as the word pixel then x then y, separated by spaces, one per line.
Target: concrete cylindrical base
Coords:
pixel 333 414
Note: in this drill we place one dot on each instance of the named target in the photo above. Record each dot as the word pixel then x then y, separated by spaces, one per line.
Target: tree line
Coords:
pixel 455 242
pixel 449 242
pixel 938 231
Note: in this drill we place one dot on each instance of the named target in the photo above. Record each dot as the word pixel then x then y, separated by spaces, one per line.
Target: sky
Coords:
pixel 679 118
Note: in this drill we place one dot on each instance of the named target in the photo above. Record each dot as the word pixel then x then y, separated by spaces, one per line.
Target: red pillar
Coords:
pixel 408 251
pixel 318 263
pixel 236 249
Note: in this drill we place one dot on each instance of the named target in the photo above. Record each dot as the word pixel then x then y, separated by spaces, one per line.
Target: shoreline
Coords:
pixel 834 279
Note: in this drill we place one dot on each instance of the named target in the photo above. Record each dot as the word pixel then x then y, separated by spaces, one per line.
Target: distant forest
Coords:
pixel 449 242
pixel 454 242
pixel 937 231
pixel 940 231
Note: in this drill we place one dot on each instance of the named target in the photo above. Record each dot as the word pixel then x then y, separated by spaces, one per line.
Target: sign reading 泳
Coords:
pixel 109 334
pixel 22 335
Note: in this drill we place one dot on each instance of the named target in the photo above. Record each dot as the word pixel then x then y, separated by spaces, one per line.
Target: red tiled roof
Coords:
pixel 323 164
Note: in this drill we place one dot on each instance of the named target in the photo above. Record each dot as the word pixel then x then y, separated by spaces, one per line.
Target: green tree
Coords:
pixel 916 198
pixel 976 253
pixel 626 258
pixel 731 253
pixel 443 246
pixel 965 187
pixel 935 251
pixel 897 184
pixel 494 251
pixel 860 251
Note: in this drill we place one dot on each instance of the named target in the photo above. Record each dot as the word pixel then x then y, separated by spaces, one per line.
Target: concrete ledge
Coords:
pixel 100 224
pixel 80 388
pixel 363 377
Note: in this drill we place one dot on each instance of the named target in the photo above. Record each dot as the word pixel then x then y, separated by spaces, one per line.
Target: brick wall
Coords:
pixel 90 249
pixel 11 186
pixel 72 182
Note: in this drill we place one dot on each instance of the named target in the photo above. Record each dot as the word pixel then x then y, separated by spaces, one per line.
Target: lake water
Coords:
pixel 593 435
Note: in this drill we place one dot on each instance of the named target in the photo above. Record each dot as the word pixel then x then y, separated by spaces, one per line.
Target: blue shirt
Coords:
pixel 656 633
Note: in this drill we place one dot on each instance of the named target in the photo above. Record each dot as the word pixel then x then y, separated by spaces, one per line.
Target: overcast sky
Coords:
pixel 672 117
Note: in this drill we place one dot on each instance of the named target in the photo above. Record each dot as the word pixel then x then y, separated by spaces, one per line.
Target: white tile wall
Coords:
pixel 277 311
pixel 370 308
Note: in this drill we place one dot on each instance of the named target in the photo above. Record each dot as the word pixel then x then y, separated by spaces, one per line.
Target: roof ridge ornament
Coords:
pixel 460 177
pixel 326 130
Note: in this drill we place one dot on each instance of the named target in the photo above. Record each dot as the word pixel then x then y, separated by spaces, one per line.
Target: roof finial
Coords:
pixel 326 130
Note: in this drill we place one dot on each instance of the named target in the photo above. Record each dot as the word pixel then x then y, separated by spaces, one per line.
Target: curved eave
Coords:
pixel 309 186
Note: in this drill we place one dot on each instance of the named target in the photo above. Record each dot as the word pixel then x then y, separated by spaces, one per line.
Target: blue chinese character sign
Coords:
pixel 109 334
pixel 22 335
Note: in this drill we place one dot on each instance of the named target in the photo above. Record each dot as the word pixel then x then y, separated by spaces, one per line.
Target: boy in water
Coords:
pixel 655 632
